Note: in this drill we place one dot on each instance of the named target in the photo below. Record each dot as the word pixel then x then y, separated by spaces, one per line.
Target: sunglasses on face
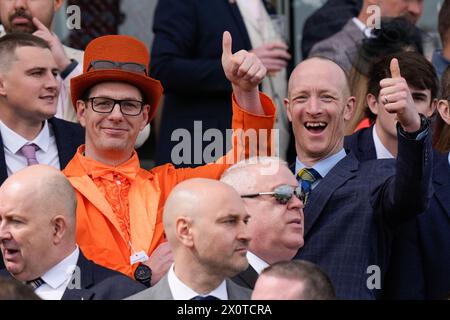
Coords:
pixel 281 193
pixel 127 66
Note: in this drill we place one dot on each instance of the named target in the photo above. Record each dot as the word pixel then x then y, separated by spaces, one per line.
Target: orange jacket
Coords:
pixel 98 231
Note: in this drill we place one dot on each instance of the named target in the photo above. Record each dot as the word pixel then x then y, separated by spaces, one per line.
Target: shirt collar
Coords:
pixel 256 262
pixel 367 31
pixel 323 166
pixel 128 169
pixel 14 141
pixel 62 272
pixel 180 291
pixel 449 158
pixel 381 150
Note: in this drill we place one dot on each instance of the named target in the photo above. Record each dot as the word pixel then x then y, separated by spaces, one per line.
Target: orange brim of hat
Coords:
pixel 150 88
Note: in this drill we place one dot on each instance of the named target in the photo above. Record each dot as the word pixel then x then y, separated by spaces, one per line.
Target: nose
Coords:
pixel 313 107
pixel 415 8
pixel 295 203
pixel 116 113
pixel 4 233
pixel 20 4
pixel 52 83
pixel 243 234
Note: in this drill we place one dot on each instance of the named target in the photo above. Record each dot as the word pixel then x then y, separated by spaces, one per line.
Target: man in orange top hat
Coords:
pixel 119 214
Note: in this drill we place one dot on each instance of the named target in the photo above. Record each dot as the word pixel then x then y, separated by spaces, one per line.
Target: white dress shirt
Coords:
pixel 256 262
pixel 57 278
pixel 12 142
pixel 180 291
pixel 367 31
pixel 382 152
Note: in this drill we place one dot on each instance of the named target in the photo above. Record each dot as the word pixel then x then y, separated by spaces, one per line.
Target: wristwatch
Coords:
pixel 424 124
pixel 143 274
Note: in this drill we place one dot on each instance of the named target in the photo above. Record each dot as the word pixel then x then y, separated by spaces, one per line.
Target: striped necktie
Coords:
pixel 307 177
pixel 36 283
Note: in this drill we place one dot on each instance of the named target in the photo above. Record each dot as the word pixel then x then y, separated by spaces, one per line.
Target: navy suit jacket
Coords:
pixel 186 58
pixel 421 254
pixel 350 215
pixel 361 144
pixel 246 278
pixel 98 283
pixel 420 262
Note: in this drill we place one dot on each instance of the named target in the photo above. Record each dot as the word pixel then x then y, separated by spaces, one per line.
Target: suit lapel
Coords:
pixel 249 276
pixel 3 170
pixel 366 145
pixel 86 281
pixel 232 5
pixel 341 173
pixel 356 36
pixel 88 189
pixel 62 141
pixel 78 294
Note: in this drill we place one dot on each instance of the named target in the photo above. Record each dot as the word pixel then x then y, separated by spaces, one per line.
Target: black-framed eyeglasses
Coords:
pixel 127 66
pixel 128 107
pixel 281 193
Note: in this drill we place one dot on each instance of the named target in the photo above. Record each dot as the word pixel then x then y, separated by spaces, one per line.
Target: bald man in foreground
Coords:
pixel 37 240
pixel 206 225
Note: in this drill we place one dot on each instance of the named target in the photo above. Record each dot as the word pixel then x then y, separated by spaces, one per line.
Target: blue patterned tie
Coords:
pixel 205 298
pixel 307 177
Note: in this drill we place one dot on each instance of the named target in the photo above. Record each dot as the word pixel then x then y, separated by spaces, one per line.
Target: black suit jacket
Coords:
pixel 319 26
pixel 98 283
pixel 186 58
pixel 246 278
pixel 350 215
pixel 68 135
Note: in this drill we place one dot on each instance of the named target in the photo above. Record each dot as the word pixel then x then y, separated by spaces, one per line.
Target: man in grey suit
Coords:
pixel 342 47
pixel 206 225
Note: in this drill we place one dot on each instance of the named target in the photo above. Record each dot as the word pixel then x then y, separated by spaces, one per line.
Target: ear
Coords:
pixel 145 115
pixel 59 228
pixel 349 108
pixel 183 231
pixel 2 86
pixel 81 112
pixel 444 110
pixel 432 108
pixel 288 108
pixel 57 4
pixel 372 102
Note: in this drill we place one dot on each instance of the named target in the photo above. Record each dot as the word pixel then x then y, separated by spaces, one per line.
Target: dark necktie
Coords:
pixel 205 298
pixel 36 283
pixel 307 177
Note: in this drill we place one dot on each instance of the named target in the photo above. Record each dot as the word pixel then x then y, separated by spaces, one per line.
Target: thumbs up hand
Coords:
pixel 397 98
pixel 243 69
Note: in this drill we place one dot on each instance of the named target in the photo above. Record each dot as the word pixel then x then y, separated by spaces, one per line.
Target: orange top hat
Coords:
pixel 118 49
